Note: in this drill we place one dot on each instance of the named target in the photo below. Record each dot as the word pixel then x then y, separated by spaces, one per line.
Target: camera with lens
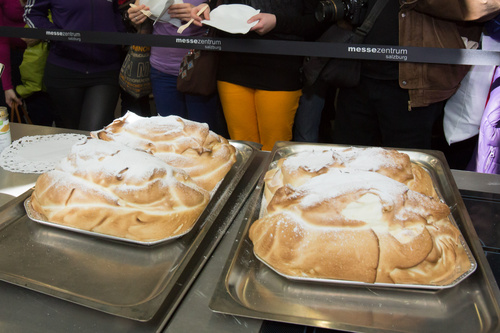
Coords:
pixel 354 11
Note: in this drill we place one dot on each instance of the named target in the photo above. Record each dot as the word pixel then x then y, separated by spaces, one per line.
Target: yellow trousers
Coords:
pixel 260 116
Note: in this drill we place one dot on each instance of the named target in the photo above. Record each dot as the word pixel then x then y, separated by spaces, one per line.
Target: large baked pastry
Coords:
pixel 188 145
pixel 357 225
pixel 119 191
pixel 298 168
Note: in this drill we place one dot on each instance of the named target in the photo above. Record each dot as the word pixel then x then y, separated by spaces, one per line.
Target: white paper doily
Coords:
pixel 39 153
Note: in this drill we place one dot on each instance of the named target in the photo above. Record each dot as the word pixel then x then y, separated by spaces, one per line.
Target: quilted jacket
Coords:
pixel 487 156
pixel 488 148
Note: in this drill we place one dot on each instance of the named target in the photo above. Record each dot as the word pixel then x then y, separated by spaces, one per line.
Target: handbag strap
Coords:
pixel 15 112
pixel 363 30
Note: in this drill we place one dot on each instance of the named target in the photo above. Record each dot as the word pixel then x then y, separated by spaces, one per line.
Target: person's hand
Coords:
pixel 181 11
pixel 267 22
pixel 10 96
pixel 135 15
pixel 204 16
pixel 31 41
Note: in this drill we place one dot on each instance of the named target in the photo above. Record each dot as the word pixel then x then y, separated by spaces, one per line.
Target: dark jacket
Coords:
pixel 434 23
pixel 83 15
pixel 294 21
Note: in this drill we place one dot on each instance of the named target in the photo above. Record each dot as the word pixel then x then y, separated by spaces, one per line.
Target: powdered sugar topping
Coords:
pixel 310 160
pixel 340 182
pixel 369 159
pixel 110 159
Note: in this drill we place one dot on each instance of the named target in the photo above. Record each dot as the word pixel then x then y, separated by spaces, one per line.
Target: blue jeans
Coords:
pixel 169 101
pixel 307 123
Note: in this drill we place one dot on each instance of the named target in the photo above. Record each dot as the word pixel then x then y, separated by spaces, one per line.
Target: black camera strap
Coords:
pixel 364 28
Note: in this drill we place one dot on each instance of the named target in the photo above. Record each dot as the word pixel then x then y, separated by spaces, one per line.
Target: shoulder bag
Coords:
pixel 198 71
pixel 135 71
pixel 339 72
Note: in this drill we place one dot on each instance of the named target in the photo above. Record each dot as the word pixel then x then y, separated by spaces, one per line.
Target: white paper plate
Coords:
pixel 232 18
pixel 39 153
pixel 156 8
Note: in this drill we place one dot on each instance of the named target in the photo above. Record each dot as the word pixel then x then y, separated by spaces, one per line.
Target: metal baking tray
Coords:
pixel 249 288
pixel 378 284
pixel 34 216
pixel 40 218
pixel 417 157
pixel 122 279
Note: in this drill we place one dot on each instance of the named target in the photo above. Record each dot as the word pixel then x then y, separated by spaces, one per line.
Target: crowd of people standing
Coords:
pixel 261 97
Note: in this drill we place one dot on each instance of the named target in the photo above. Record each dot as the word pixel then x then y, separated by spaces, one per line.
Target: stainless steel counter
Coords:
pixel 24 310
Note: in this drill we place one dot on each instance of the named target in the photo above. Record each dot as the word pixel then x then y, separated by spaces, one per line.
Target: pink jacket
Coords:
pixel 11 15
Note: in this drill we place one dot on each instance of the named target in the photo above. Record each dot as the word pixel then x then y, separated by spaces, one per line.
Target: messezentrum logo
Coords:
pixel 210 44
pixel 72 36
pixel 391 53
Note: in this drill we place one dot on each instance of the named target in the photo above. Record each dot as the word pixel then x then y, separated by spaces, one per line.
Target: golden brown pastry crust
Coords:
pixel 326 219
pixel 188 145
pixel 299 168
pixel 112 189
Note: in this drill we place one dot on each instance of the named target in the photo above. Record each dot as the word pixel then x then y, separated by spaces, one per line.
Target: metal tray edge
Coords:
pixel 223 302
pixel 248 151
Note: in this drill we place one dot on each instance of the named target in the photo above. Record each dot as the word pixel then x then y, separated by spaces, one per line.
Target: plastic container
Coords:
pixel 5 137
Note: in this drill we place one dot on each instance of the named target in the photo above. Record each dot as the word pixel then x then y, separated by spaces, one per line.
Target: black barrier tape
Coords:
pixel 321 49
